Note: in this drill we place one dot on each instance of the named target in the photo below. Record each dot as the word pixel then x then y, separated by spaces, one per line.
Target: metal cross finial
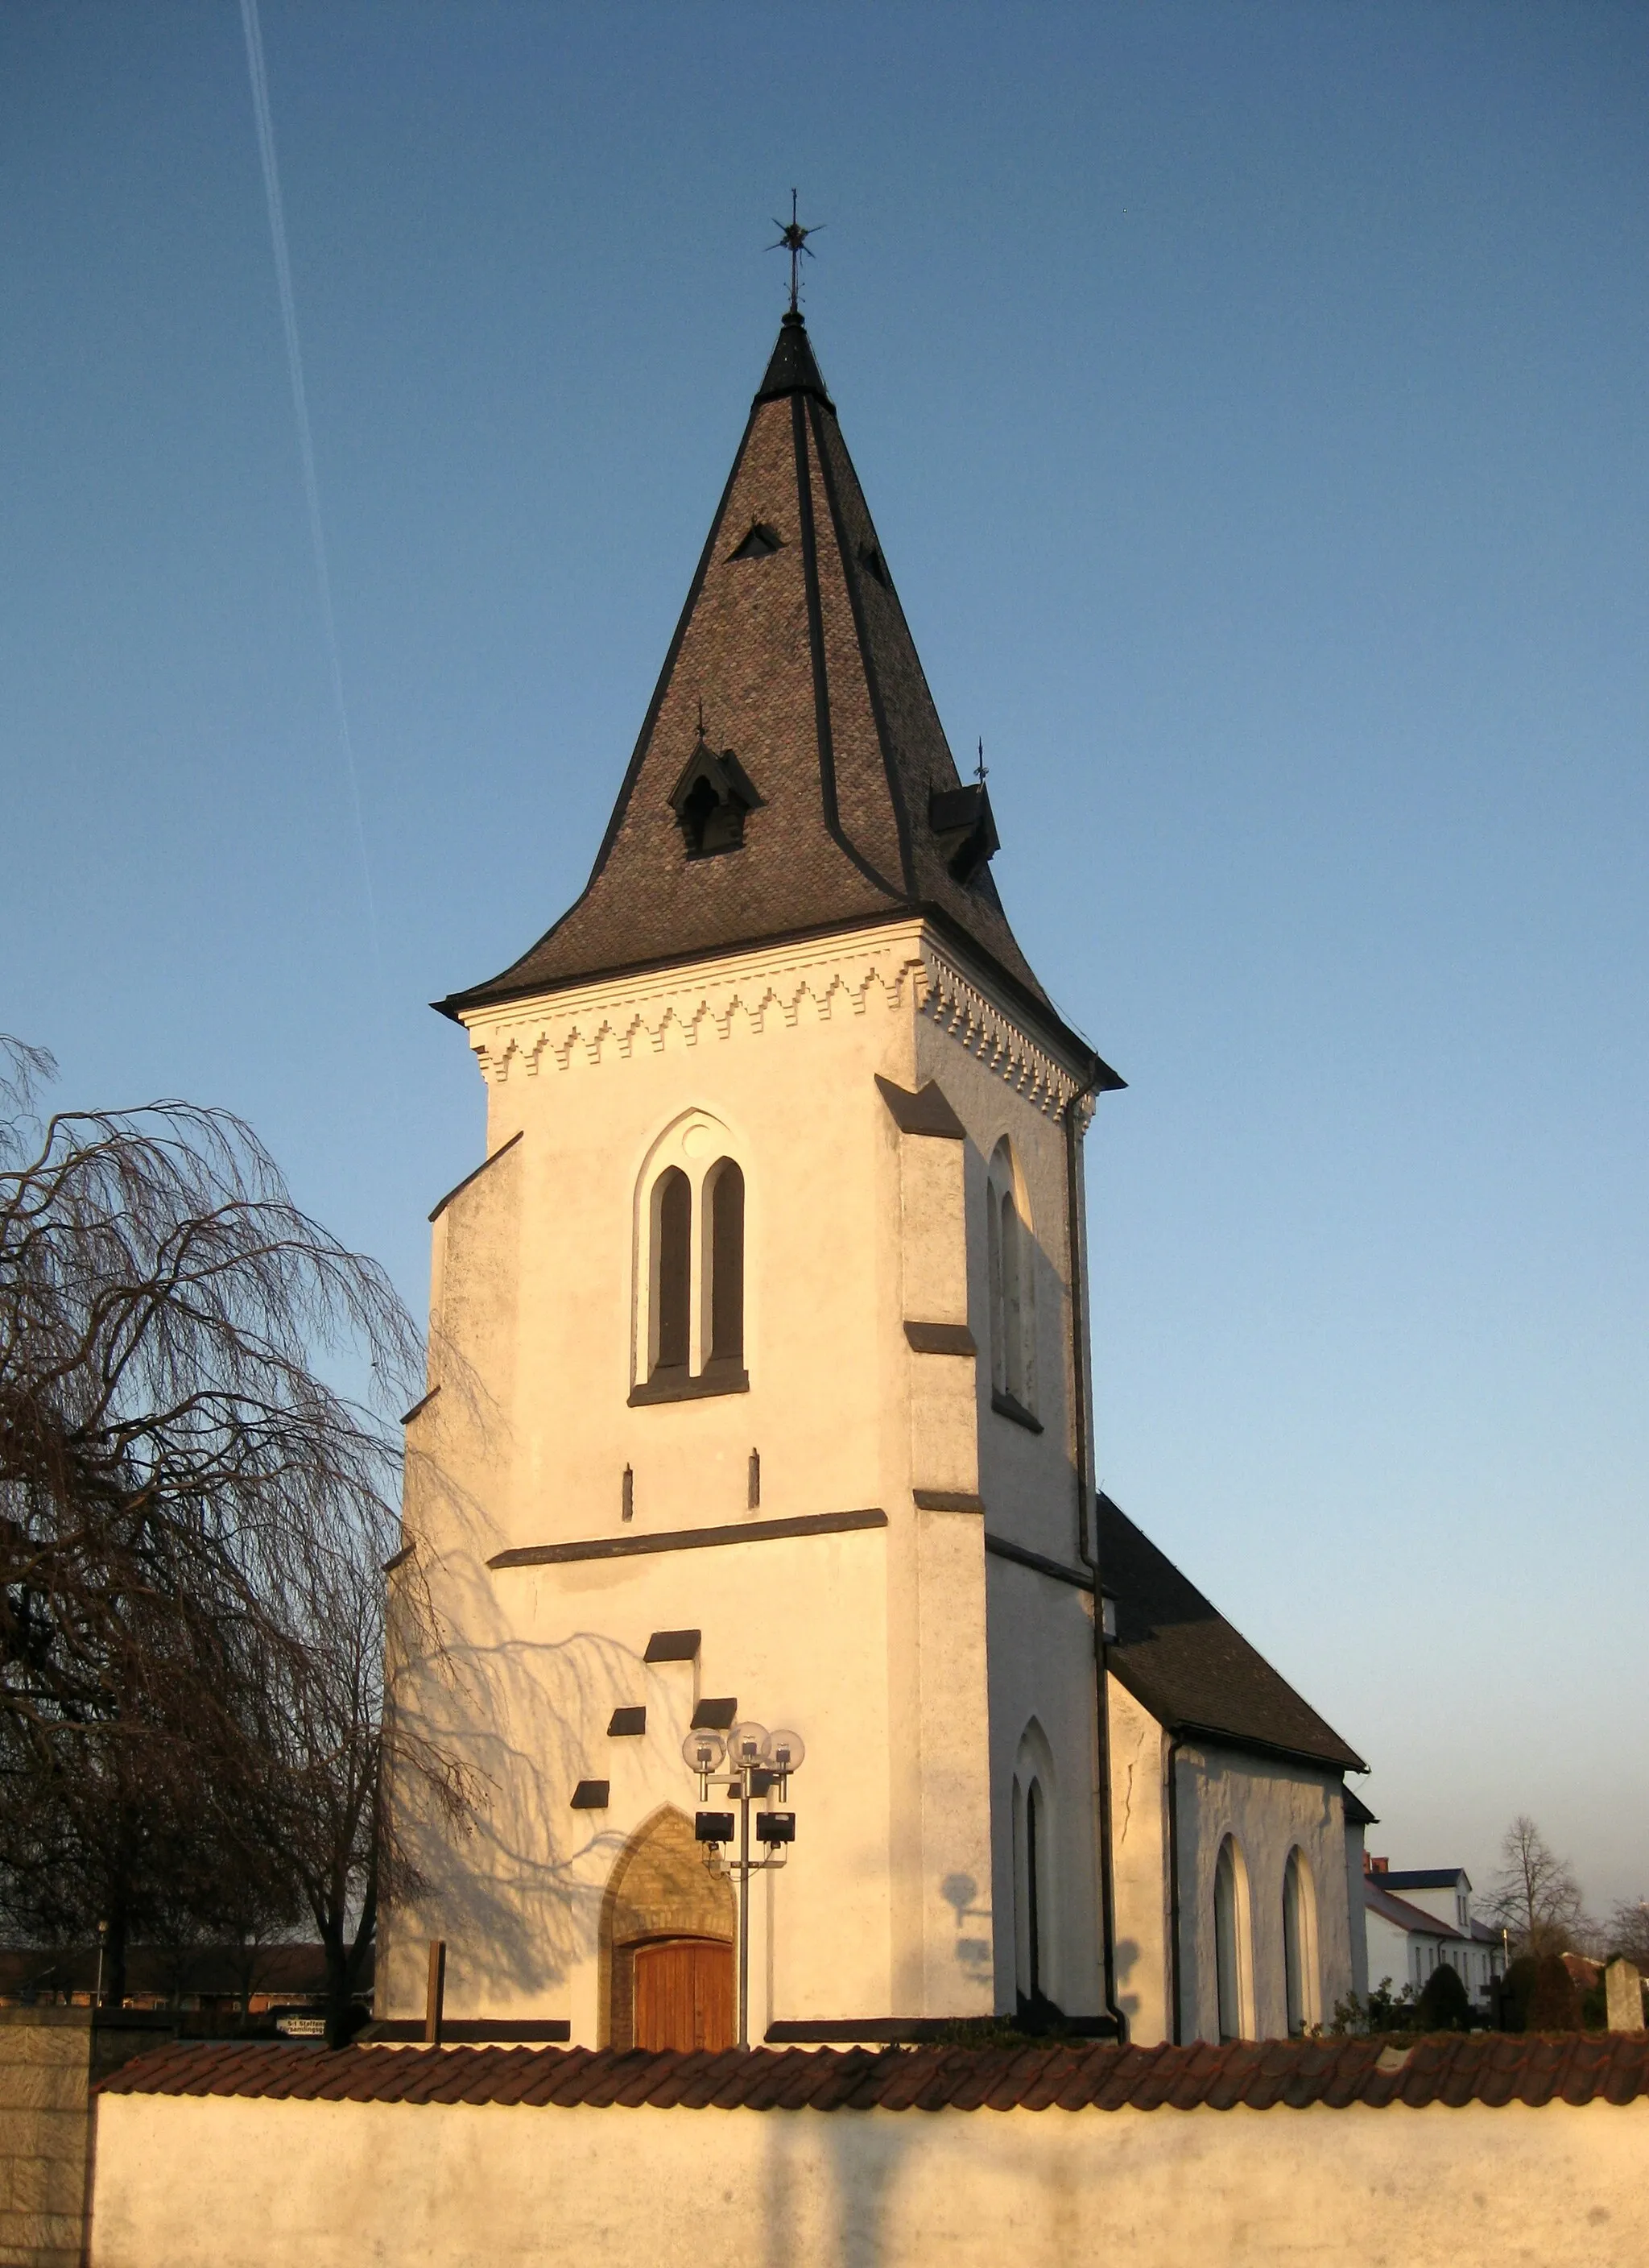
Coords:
pixel 793 237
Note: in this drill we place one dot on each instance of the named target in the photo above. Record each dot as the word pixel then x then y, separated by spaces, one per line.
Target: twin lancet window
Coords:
pixel 690 1303
pixel 691 1327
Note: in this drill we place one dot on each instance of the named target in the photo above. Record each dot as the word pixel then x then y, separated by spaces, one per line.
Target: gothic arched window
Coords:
pixel 690 1294
pixel 1233 1987
pixel 672 1271
pixel 1300 1944
pixel 1036 1902
pixel 1012 1310
pixel 725 1185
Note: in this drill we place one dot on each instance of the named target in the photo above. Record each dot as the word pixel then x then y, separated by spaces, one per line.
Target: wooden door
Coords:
pixel 684 1993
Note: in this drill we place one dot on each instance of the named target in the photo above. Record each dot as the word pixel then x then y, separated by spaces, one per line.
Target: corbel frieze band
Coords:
pixel 758 996
pixel 959 1006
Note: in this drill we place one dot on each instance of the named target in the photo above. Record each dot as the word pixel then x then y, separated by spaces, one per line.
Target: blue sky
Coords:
pixel 1251 400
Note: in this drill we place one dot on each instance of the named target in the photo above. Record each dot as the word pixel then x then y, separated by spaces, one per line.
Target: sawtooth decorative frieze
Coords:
pixel 959 1006
pixel 771 992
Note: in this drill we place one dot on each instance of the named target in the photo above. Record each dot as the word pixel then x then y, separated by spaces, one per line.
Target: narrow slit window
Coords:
pixel 1013 1299
pixel 672 1269
pixel 726 1264
pixel 1008 1250
pixel 998 1324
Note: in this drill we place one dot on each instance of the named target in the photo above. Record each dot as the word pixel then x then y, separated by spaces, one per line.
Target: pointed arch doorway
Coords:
pixel 666 1942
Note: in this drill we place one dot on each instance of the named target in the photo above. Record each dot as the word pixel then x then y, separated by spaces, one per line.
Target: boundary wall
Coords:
pixel 50 2058
pixel 248 2173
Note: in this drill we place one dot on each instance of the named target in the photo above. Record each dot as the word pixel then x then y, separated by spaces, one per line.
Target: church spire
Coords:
pixel 792 774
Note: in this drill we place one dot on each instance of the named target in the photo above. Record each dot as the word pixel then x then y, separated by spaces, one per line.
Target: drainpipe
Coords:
pixel 1171 1778
pixel 1088 1541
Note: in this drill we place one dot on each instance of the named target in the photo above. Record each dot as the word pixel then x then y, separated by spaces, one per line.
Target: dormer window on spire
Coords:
pixel 960 818
pixel 710 801
pixel 760 543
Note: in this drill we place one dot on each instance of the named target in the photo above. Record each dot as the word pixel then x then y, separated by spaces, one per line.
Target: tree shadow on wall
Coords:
pixel 519 1898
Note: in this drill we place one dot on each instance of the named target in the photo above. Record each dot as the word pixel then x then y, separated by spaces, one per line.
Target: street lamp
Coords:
pixel 746 1762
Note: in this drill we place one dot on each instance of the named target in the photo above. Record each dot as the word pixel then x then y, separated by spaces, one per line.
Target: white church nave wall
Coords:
pixel 1139 1867
pixel 1268 1809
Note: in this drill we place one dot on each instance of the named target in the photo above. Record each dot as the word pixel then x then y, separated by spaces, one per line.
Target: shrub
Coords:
pixel 1445 2003
pixel 1542 1994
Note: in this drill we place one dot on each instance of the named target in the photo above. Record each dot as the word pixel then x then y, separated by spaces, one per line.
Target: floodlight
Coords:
pixel 712 1827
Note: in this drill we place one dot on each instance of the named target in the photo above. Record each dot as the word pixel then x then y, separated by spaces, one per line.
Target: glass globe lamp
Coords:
pixel 747 1747
pixel 787 1752
pixel 703 1751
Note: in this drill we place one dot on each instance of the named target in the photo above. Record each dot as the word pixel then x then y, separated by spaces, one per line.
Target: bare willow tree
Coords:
pixel 338 1752
pixel 193 1518
pixel 1536 1895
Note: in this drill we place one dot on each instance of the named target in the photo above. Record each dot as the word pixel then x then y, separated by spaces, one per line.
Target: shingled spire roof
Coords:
pixel 792 774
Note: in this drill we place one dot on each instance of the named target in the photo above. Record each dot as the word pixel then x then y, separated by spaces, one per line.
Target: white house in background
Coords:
pixel 1239 1847
pixel 1421 1917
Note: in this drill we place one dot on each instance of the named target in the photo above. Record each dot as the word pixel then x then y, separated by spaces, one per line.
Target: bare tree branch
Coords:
pixel 199 1484
pixel 1536 1895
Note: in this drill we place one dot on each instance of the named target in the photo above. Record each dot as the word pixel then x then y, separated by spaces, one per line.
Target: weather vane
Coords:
pixel 793 237
pixel 980 774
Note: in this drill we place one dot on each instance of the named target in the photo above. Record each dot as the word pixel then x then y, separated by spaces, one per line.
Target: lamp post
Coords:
pixel 748 1762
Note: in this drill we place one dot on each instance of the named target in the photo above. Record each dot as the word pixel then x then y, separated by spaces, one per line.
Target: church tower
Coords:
pixel 758 1370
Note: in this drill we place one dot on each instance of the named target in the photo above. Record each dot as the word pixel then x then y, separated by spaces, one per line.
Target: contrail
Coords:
pixel 305 442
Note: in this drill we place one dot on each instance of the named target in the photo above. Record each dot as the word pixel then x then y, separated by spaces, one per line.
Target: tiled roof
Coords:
pixel 800 661
pixel 1181 1658
pixel 1490 2068
pixel 1424 1878
pixel 216 1971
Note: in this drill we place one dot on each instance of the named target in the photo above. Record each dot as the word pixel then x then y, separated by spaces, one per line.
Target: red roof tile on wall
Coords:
pixel 1493 2069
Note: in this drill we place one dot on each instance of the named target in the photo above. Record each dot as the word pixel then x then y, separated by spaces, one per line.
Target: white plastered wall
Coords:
pixel 1139 1847
pixel 1041 1630
pixel 1269 1806
pixel 873 1643
pixel 1355 1909
pixel 1391 1953
pixel 483 2186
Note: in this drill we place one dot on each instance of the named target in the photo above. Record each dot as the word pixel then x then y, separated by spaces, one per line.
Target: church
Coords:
pixel 810 1691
